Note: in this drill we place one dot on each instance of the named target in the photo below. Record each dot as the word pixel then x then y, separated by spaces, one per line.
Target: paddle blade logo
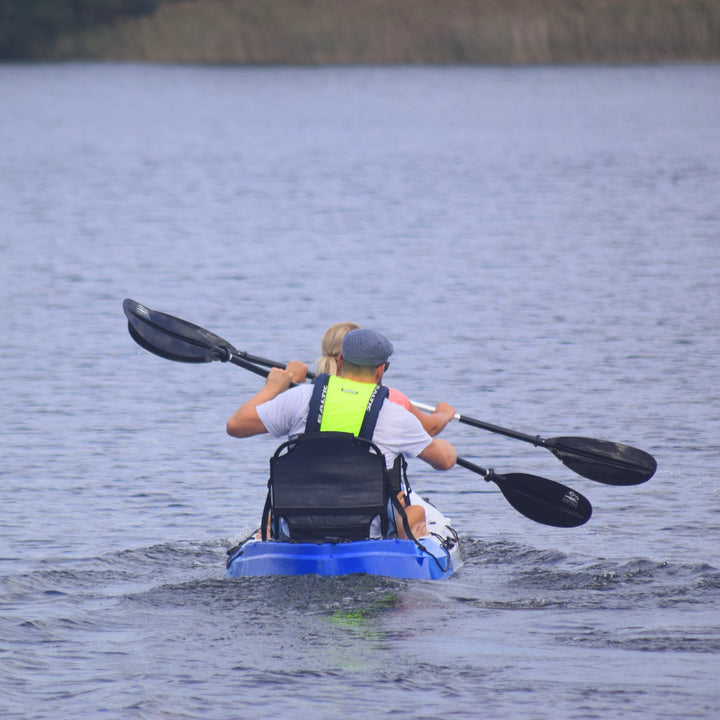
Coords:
pixel 571 499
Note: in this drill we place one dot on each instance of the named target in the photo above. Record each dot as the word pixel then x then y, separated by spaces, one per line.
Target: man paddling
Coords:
pixel 434 421
pixel 397 433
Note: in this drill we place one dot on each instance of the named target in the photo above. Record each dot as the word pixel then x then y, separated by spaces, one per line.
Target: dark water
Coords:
pixel 542 246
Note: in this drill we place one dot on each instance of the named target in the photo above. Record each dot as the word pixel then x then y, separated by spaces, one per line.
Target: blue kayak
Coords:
pixel 432 558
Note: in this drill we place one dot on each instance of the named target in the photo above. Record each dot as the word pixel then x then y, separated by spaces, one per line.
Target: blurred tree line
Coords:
pixel 362 31
pixel 26 25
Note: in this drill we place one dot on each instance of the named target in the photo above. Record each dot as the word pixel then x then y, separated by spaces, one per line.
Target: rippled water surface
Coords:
pixel 543 248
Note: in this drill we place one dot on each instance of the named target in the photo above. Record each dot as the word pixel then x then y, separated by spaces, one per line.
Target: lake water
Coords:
pixel 542 245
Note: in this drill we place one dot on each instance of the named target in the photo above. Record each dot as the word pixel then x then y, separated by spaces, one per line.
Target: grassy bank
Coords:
pixel 408 31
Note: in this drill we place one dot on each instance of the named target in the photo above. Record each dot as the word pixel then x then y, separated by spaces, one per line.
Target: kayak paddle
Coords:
pixel 542 500
pixel 172 338
pixel 600 460
pixel 175 339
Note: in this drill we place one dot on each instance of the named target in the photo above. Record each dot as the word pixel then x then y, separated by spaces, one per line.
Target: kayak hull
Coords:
pixel 434 560
pixel 430 558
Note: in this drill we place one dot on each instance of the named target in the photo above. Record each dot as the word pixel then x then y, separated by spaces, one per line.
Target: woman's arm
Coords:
pixel 434 423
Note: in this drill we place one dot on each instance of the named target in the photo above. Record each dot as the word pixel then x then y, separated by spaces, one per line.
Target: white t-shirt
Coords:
pixel 397 430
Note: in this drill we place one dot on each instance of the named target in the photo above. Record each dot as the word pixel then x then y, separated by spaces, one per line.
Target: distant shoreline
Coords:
pixel 378 32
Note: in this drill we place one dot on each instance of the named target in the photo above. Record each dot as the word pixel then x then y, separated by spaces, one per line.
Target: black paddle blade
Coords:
pixel 173 338
pixel 543 500
pixel 603 461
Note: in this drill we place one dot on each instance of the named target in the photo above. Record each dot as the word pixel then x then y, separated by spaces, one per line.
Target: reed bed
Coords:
pixel 313 32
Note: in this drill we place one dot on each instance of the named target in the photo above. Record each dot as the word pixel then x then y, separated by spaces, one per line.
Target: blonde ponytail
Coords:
pixel 331 346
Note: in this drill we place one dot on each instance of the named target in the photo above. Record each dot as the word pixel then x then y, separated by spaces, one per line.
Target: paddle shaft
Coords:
pixel 242 360
pixel 238 360
pixel 267 363
pixel 487 474
pixel 534 439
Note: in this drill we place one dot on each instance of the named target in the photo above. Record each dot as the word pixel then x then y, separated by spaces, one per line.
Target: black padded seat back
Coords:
pixel 328 486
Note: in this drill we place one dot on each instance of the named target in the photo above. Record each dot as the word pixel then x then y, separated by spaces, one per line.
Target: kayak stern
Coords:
pixel 433 559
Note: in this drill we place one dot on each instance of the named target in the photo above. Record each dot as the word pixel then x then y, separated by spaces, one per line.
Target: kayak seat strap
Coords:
pixel 327 486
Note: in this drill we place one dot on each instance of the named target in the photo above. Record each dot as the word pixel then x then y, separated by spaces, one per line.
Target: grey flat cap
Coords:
pixel 367 348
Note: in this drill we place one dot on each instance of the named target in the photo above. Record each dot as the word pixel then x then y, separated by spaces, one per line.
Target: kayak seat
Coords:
pixel 327 487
